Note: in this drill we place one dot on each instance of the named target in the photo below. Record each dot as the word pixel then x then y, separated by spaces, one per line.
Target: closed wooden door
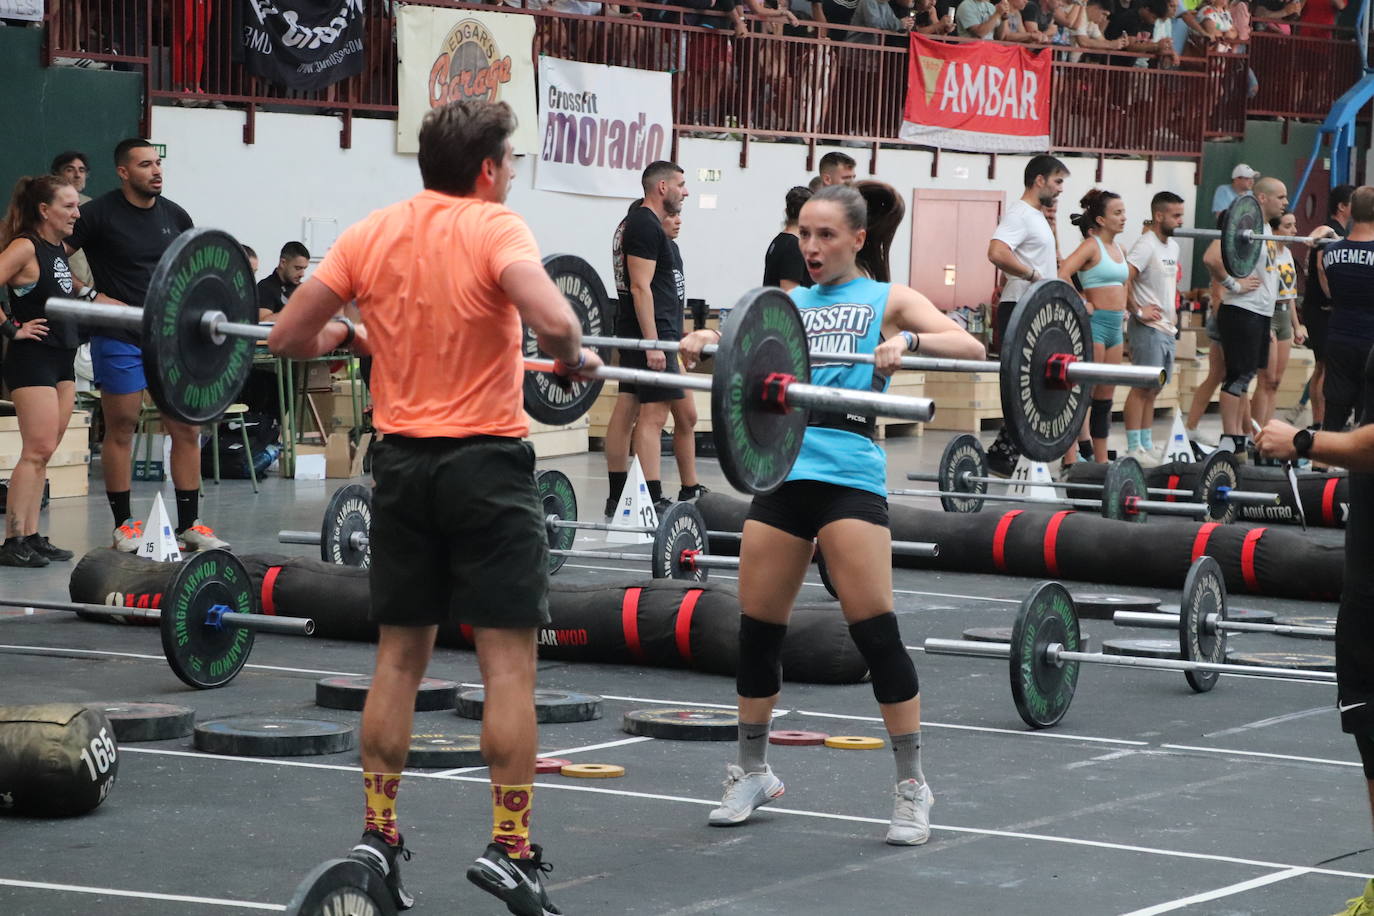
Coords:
pixel 949 244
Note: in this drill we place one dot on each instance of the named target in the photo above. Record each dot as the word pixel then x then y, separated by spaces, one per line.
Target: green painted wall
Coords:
pixel 45 111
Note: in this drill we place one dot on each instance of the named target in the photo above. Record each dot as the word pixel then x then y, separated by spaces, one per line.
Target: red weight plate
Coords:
pixel 798 739
pixel 550 765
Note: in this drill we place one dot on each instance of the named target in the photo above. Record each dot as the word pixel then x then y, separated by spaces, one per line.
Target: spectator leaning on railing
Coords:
pixel 981 19
pixel 1275 15
pixel 1014 25
pixel 1042 17
pixel 1088 32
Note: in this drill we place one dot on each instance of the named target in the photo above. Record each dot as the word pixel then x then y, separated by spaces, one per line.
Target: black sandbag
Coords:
pixel 1084 546
pixel 56 759
pixel 107 576
pixel 590 623
pixel 1325 497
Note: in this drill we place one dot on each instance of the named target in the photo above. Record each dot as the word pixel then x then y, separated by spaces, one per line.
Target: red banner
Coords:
pixel 977 96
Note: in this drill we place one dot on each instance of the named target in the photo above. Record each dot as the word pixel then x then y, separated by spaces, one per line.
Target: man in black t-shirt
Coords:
pixel 1345 270
pixel 652 311
pixel 1316 306
pixel 277 287
pixel 124 234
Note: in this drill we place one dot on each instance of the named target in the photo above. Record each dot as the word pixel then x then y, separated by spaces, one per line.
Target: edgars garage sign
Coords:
pixel 449 55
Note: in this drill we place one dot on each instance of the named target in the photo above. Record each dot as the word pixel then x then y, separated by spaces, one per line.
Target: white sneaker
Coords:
pixel 743 793
pixel 1143 455
pixel 910 814
pixel 199 537
pixel 1204 439
pixel 128 536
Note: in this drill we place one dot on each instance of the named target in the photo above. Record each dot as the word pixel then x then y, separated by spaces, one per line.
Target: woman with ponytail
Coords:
pixel 1100 264
pixel 38 362
pixel 836 494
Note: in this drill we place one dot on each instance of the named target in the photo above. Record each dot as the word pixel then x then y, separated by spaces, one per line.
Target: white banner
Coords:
pixel 447 54
pixel 600 126
pixel 22 9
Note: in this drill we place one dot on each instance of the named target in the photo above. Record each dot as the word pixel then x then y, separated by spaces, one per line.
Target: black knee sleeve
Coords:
pixel 1100 418
pixel 1366 748
pixel 759 670
pixel 880 643
pixel 1238 384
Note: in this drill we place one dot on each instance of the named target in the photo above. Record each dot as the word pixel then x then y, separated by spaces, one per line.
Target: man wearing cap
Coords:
pixel 1242 182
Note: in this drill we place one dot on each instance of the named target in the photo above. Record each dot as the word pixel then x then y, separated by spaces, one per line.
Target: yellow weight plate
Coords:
pixel 854 742
pixel 593 770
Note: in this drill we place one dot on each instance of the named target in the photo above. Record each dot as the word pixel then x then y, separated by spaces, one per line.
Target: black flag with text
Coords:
pixel 301 44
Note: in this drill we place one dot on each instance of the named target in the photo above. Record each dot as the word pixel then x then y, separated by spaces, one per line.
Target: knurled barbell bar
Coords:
pixel 1045 649
pixel 963 478
pixel 1243 228
pixel 208 618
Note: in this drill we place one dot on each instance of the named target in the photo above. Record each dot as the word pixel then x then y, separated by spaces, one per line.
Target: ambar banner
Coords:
pixel 977 96
pixel 448 55
pixel 301 44
pixel 600 126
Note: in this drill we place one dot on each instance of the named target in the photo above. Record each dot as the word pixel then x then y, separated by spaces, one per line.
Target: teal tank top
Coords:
pixel 847 319
pixel 1105 272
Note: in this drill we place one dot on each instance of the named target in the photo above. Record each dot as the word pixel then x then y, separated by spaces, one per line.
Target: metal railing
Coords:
pixel 761 84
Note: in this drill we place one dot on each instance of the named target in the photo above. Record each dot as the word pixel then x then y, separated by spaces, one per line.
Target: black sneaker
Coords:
pixel 687 494
pixel 45 548
pixel 16 552
pixel 518 882
pixel 1001 457
pixel 661 505
pixel 611 503
pixel 376 853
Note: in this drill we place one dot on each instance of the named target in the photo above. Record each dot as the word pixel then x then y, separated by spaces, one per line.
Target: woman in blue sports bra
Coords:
pixel 1103 273
pixel 836 494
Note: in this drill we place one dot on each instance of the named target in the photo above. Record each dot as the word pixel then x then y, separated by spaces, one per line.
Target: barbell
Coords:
pixel 963 478
pixel 1243 227
pixel 1212 624
pixel 208 618
pixel 1045 649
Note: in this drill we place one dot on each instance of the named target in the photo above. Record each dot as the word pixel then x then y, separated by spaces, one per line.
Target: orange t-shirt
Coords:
pixel 446 340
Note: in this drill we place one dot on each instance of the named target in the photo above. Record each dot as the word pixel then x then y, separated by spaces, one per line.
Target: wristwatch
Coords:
pixel 1302 442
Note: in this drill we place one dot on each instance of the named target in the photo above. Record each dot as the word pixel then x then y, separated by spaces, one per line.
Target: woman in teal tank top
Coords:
pixel 1100 264
pixel 837 495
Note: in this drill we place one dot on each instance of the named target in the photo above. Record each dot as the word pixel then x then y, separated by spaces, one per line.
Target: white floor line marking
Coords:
pixel 1227 750
pixel 558 753
pixel 982 728
pixel 1220 892
pixel 162 658
pixel 896 591
pixel 820 815
pixel 1272 720
pixel 142 895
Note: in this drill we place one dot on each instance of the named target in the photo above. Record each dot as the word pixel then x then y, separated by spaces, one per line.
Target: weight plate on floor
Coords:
pixel 963 458
pixel 549 705
pixel 797 738
pixel 854 742
pixel 757 444
pixel 559 502
pixel 201 654
pixel 681 528
pixel 1302 661
pixel 148 721
pixel 1123 485
pixel 1043 418
pixel 1042 689
pixel 347 520
pixel 593 770
pixel 342 887
pixel 546 765
pixel 1204 594
pixel 546 400
pixel 1240 255
pixel 192 376
pixel 1101 606
pixel 443 749
pixel 1218 470
pixel 1142 648
pixel 350 692
pixel 683 723
pixel 988 634
pixel 1305 620
pixel 273 736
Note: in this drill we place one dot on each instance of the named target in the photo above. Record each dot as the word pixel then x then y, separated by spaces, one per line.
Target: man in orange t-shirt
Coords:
pixel 443 281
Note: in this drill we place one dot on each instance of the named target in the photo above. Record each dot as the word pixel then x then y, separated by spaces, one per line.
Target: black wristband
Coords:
pixel 352 331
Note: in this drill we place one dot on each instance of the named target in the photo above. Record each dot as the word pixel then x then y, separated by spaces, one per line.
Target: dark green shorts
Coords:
pixel 457 534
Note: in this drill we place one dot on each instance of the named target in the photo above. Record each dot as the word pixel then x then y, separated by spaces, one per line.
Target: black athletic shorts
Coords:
pixel 1344 386
pixel 1315 319
pixel 648 394
pixel 803 507
pixel 1244 343
pixel 29 364
pixel 1355 619
pixel 457 533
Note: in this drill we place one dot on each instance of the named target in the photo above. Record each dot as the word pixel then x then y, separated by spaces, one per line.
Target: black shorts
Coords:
pixel 29 364
pixel 457 533
pixel 1315 319
pixel 648 394
pixel 1344 386
pixel 803 507
pixel 1244 343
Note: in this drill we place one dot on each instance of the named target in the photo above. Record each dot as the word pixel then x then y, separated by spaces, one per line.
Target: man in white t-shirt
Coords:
pixel 1023 248
pixel 1152 297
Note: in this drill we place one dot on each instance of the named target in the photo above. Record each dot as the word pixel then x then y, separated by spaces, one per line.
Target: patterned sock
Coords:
pixel 510 818
pixel 380 789
pixel 1147 440
pixel 907 749
pixel 1132 439
pixel 753 747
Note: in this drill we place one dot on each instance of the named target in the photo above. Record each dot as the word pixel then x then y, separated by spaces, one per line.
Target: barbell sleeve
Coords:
pixel 935 646
pixel 127 317
pixel 1156 621
pixel 1056 654
pixel 311 538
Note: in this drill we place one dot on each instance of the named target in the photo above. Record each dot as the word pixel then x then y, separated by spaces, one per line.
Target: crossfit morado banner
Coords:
pixel 599 126
pixel 450 54
pixel 977 96
pixel 301 44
